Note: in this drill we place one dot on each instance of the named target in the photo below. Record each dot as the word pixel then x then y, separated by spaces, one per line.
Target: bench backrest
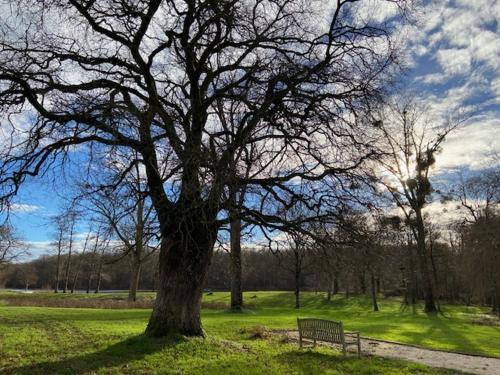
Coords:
pixel 322 330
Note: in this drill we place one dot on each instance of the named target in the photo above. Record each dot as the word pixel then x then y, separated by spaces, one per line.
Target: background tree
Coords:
pixel 71 221
pixel 61 227
pixel 11 247
pixel 126 210
pixel 412 143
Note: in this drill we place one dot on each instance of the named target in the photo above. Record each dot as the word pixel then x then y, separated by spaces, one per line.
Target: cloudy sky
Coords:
pixel 454 61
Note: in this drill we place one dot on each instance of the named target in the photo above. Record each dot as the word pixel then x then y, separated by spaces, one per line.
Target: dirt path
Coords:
pixel 433 358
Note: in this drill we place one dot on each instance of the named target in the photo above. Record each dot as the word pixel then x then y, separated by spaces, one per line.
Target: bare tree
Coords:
pixel 71 221
pixel 127 211
pixel 11 247
pixel 80 261
pixel 145 76
pixel 477 229
pixel 61 227
pixel 412 143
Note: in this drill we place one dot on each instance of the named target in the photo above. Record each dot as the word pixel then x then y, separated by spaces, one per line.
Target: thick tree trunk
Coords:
pixel 183 264
pixel 374 292
pixel 235 255
pixel 430 306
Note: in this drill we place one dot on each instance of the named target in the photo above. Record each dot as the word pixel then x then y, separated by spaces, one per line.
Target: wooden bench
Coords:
pixel 327 331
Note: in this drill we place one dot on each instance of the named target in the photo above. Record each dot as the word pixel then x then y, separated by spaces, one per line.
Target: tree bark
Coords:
pixel 137 252
pixel 333 287
pixel 68 263
pixel 99 277
pixel 89 282
pixel 75 280
pixel 298 269
pixel 362 282
pixel 58 265
pixel 374 292
pixel 184 259
pixel 134 279
pixel 235 255
pixel 330 287
pixel 430 306
pixel 79 264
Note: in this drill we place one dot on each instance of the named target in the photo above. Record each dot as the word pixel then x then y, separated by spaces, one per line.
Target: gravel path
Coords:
pixel 433 358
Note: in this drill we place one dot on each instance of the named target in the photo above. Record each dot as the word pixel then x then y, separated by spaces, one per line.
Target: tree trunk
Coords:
pixel 75 280
pixel 134 279
pixel 329 292
pixel 298 268
pixel 434 273
pixel 89 282
pixel 235 255
pixel 137 251
pixel 68 264
pixel 362 282
pixel 430 306
pixel 98 278
pixel 332 287
pixel 79 264
pixel 58 266
pixel 184 258
pixel 374 292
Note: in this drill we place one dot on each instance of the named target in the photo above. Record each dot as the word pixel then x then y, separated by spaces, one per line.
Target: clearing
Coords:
pixel 97 340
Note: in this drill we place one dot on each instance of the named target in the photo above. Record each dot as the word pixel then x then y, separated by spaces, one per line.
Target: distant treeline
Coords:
pixel 391 270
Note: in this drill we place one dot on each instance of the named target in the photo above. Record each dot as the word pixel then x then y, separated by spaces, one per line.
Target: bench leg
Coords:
pixel 344 351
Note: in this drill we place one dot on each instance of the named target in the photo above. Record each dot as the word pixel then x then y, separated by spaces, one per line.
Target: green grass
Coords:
pixel 39 340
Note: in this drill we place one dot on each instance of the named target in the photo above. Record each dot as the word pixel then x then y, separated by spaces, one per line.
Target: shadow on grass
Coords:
pixel 309 361
pixel 119 354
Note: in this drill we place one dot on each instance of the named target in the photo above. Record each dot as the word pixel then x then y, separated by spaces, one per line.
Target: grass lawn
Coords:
pixel 70 340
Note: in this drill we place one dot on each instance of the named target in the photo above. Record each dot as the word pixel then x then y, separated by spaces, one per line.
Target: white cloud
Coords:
pixel 470 145
pixel 21 207
pixel 455 61
pixel 443 214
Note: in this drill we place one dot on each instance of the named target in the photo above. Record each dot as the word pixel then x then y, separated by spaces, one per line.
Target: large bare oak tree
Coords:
pixel 146 76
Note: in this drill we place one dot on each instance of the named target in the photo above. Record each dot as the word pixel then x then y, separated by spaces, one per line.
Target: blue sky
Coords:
pixel 454 64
